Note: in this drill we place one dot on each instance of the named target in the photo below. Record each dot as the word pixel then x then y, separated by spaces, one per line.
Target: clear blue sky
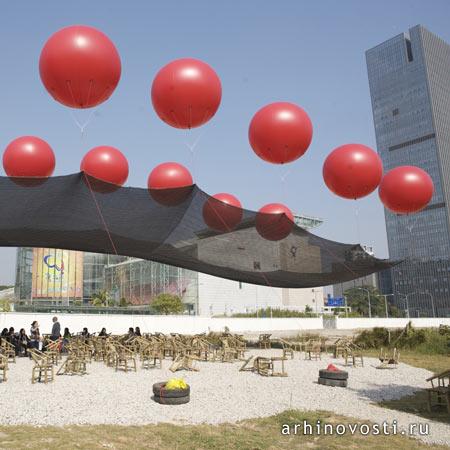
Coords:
pixel 307 52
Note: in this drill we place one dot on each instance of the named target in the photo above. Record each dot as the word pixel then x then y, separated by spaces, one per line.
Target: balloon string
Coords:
pixel 192 149
pixel 100 213
pixel 284 185
pixel 82 126
pixel 79 125
pixel 358 233
pixel 409 228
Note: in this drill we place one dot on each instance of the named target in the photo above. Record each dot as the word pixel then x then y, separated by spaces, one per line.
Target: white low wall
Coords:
pixel 119 324
pixel 421 322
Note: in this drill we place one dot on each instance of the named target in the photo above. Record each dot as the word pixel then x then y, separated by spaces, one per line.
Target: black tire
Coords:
pixel 171 400
pixel 334 383
pixel 341 375
pixel 160 391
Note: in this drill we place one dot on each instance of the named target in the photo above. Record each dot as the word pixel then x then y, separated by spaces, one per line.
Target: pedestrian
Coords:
pixel 56 330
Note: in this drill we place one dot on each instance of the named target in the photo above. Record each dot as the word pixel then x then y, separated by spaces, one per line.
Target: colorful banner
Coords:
pixel 57 273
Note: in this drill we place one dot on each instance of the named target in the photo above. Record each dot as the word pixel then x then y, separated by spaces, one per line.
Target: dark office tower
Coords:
pixel 409 78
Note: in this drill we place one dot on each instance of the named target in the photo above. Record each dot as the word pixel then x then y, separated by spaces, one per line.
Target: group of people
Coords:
pixel 22 341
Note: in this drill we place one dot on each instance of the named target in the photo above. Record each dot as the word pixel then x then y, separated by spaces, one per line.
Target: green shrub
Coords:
pixel 275 312
pixel 167 304
pixel 424 340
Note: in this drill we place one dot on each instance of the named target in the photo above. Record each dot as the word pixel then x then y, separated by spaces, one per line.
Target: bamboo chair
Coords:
pixel 313 350
pixel 264 366
pixel 151 357
pixel 387 361
pixel 9 351
pixel 99 348
pixel 53 350
pixel 73 365
pixel 340 346
pixel 287 349
pixel 4 367
pixel 355 354
pixel 43 367
pixel 125 359
pixel 440 389
pixel 264 341
pixel 184 362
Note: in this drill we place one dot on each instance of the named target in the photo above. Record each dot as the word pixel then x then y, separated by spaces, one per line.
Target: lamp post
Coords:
pixel 407 303
pixel 315 299
pixel 368 297
pixel 385 303
pixel 432 301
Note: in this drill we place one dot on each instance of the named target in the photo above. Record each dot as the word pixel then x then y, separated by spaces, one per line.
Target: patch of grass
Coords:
pixel 434 362
pixel 417 403
pixel 256 434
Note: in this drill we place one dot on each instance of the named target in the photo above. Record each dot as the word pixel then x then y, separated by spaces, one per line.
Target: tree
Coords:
pixel 100 299
pixel 168 304
pixel 5 305
pixel 358 300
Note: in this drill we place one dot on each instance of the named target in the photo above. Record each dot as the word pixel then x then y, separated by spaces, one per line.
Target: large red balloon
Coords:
pixel 79 66
pixel 28 156
pixel 406 189
pixel 222 212
pixel 280 132
pixel 352 171
pixel 107 164
pixel 170 183
pixel 186 93
pixel 274 221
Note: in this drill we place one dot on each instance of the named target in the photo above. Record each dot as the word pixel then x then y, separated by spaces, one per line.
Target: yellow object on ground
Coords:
pixel 175 383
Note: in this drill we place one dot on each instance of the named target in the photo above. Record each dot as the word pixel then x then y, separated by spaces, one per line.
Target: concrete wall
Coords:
pixel 220 296
pixel 119 324
pixel 422 322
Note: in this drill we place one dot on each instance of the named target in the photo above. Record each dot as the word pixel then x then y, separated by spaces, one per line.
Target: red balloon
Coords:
pixel 406 189
pixel 352 171
pixel 170 183
pixel 280 132
pixel 28 156
pixel 274 221
pixel 107 164
pixel 79 66
pixel 186 93
pixel 222 212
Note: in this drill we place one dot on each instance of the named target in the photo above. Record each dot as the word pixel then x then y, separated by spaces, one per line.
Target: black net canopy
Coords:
pixel 77 212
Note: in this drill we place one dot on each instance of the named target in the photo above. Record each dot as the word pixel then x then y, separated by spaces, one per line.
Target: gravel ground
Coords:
pixel 219 393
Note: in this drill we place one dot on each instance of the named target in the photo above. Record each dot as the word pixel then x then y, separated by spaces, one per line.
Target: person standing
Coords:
pixel 35 335
pixel 56 330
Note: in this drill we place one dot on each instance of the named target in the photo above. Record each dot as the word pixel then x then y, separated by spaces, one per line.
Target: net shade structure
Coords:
pixel 78 212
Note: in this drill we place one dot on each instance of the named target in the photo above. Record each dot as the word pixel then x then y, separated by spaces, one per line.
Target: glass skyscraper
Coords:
pixel 409 79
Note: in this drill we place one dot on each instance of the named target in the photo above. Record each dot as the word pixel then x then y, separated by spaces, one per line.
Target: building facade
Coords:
pixel 139 281
pixel 55 276
pixel 409 79
pixel 64 277
pixel 379 280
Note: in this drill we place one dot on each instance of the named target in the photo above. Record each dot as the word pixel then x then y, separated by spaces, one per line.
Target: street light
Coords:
pixel 407 303
pixel 432 301
pixel 368 296
pixel 385 302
